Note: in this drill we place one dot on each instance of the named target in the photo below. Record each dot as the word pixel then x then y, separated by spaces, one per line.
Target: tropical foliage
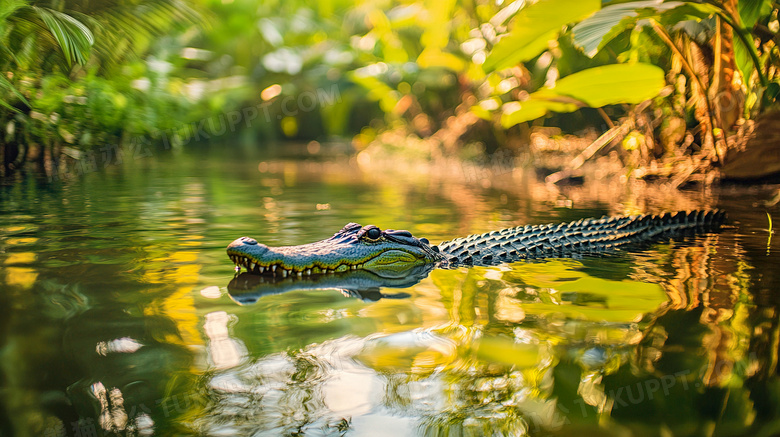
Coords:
pixel 85 73
pixel 675 83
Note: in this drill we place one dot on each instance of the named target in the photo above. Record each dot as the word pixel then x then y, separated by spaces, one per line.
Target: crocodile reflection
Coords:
pixel 247 289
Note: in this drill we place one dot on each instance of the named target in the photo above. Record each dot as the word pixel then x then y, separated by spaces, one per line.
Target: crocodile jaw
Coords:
pixel 345 251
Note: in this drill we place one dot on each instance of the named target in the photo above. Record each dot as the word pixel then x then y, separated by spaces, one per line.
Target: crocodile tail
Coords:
pixel 585 236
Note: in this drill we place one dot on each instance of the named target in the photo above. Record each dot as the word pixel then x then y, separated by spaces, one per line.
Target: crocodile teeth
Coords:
pixel 284 273
pixel 273 268
pixel 299 274
pixel 308 271
pixel 261 269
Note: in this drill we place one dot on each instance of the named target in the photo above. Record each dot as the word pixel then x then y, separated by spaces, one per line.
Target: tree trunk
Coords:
pixel 754 151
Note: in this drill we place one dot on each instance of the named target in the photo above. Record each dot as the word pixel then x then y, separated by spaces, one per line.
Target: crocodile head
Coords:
pixel 354 247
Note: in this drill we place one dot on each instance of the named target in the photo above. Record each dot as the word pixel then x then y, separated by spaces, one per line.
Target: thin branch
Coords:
pixel 605 139
pixel 606 118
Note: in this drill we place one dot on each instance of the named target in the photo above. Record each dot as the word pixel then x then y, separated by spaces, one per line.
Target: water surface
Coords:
pixel 118 319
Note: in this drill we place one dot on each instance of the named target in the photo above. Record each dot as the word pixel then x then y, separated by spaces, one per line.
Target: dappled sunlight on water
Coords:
pixel 126 318
pixel 482 359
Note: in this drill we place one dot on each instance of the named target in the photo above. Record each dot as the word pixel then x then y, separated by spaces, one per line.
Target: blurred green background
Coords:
pixel 662 79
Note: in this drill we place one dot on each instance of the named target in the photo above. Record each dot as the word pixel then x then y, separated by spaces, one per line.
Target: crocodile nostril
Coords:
pixel 247 240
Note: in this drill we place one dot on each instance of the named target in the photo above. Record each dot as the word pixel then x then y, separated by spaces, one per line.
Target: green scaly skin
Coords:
pixel 357 247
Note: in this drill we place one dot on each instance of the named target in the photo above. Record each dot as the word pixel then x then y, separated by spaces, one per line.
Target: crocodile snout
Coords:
pixel 244 242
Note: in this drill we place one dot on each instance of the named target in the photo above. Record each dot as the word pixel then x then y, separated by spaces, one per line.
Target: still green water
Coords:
pixel 117 318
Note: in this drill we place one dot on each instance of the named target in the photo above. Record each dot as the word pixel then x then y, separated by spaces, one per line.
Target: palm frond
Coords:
pixel 74 38
pixel 129 29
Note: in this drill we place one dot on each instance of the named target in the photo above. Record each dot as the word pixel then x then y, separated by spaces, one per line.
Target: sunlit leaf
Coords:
pixel 743 60
pixel 533 28
pixel 613 84
pixel 516 48
pixel 751 10
pixel 531 109
pixel 594 87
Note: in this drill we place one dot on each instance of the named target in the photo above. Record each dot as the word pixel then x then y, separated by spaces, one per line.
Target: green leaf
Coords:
pixel 596 31
pixel 744 61
pixel 751 10
pixel 613 84
pixel 687 11
pixel 531 109
pixel 594 87
pixel 514 49
pixel 533 28
pixel 73 37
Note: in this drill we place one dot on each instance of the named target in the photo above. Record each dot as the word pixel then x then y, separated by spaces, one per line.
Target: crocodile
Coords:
pixel 357 247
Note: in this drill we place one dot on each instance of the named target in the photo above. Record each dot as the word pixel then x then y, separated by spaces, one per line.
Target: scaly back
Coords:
pixel 585 236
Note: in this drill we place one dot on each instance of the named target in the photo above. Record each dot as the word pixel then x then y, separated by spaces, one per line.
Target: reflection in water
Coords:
pixel 118 320
pixel 247 288
pixel 224 351
pixel 123 378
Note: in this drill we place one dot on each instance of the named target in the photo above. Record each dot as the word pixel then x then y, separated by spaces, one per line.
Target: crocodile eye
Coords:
pixel 373 233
